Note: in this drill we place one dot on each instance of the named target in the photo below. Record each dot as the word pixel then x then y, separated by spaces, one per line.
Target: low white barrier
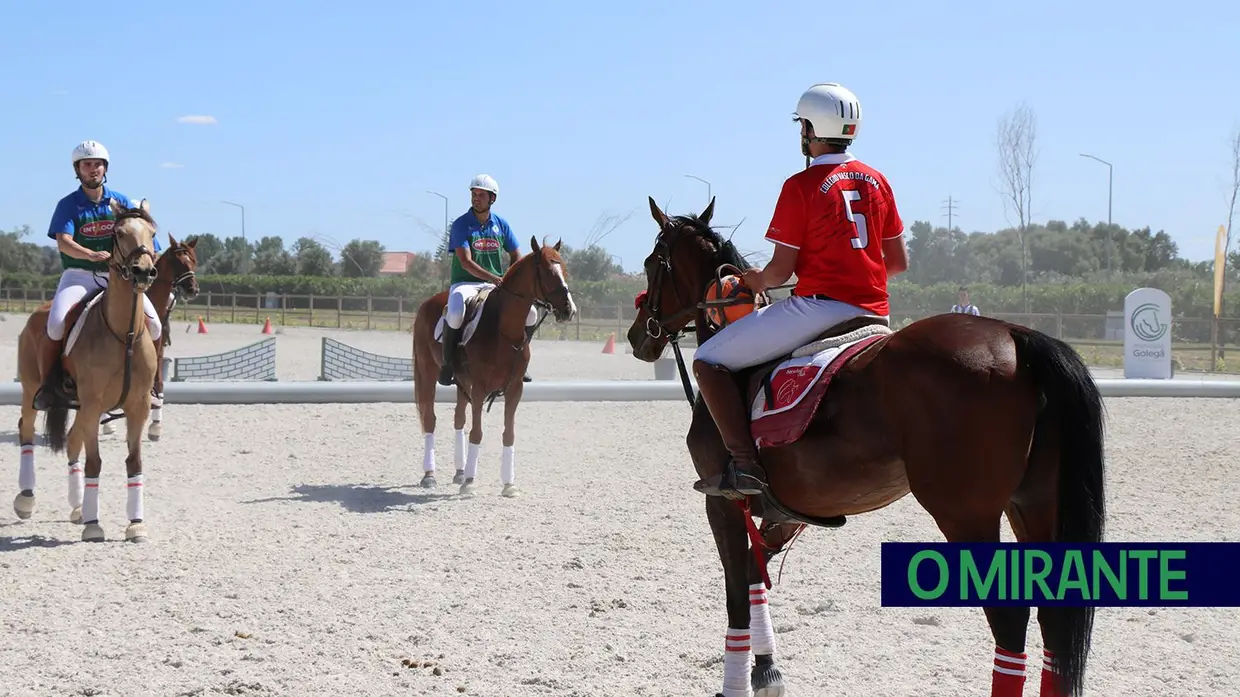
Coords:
pixel 317 392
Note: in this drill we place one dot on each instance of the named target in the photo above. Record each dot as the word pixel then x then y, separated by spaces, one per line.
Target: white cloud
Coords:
pixel 171 165
pixel 198 120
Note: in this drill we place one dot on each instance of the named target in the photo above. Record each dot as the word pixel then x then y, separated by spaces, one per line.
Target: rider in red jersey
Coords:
pixel 837 228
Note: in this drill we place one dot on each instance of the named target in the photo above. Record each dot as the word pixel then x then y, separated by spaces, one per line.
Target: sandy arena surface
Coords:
pixel 292 553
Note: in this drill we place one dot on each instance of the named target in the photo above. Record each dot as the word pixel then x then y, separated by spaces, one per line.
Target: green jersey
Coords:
pixel 487 243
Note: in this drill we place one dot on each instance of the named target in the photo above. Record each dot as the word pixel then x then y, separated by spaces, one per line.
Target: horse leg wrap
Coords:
pixel 157 408
pixel 508 465
pixel 458 451
pixel 760 621
pixel 1050 676
pixel 1008 675
pixel 25 476
pixel 471 460
pixel 90 500
pixel 736 664
pixel 133 507
pixel 428 452
pixel 77 483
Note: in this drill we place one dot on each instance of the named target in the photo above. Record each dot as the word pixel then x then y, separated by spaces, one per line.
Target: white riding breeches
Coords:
pixel 773 331
pixel 74 285
pixel 461 293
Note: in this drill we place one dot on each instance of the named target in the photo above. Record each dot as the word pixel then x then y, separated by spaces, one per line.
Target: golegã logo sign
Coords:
pixel 1146 323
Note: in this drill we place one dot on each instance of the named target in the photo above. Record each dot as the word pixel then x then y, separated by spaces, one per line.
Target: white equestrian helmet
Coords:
pixel 485 182
pixel 833 111
pixel 90 149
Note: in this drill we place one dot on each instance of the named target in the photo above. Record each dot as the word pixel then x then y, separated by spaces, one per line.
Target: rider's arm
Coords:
pixel 895 250
pixel 895 255
pixel 61 230
pixel 511 245
pixel 468 263
pixel 779 269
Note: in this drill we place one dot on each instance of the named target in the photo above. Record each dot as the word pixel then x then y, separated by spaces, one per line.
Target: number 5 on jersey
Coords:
pixel 857 219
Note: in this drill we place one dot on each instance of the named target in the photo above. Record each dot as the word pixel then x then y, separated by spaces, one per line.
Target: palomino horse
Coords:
pixel 111 358
pixel 974 416
pixel 175 279
pixel 492 360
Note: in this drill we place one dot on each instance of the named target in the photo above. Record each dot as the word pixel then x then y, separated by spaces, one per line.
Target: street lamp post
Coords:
pixel 446 226
pixel 245 260
pixel 1110 179
pixel 691 176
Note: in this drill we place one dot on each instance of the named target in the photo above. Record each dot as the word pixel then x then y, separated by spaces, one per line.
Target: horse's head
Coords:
pixel 687 256
pixel 181 267
pixel 548 279
pixel 133 239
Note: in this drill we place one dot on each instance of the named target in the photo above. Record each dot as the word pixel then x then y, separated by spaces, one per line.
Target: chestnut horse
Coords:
pixel 176 279
pixel 492 359
pixel 112 361
pixel 974 416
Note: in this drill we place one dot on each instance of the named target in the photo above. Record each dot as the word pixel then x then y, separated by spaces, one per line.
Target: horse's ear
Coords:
pixel 144 205
pixel 709 212
pixel 172 241
pixel 534 243
pixel 193 242
pixel 658 215
pixel 116 206
pixel 558 243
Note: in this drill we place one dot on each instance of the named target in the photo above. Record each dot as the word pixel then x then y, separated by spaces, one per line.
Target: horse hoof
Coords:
pixel 467 487
pixel 24 505
pixel 511 491
pixel 75 516
pixel 93 533
pixel 136 532
pixel 428 481
pixel 155 431
pixel 459 478
pixel 766 681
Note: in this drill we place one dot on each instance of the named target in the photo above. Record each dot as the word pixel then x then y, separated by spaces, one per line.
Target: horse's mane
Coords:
pixel 728 252
pixel 135 213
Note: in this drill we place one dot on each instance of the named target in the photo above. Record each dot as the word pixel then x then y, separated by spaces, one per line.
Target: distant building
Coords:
pixel 396 263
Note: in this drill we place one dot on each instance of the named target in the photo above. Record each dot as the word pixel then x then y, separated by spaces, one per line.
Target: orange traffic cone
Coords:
pixel 267 326
pixel 610 347
pixel 202 328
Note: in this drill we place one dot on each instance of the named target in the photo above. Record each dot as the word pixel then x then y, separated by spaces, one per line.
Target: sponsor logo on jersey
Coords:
pixel 486 244
pixel 97 228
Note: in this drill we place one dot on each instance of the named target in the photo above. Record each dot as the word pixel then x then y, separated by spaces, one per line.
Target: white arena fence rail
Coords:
pixel 325 392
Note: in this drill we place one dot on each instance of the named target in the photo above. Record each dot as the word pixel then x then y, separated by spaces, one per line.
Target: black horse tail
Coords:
pixel 1073 401
pixel 55 423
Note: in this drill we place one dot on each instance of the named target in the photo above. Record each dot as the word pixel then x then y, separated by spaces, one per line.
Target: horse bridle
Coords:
pixel 657 328
pixel 123 270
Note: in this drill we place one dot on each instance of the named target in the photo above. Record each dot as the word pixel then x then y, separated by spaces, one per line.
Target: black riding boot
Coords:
pixel 743 476
pixel 446 372
pixel 52 393
pixel 529 335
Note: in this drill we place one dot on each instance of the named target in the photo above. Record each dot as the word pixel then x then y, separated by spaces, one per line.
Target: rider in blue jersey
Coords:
pixel 82 228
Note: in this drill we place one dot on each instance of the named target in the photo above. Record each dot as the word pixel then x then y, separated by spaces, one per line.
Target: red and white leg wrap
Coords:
pixel 736 657
pixel 90 501
pixel 133 505
pixel 1008 678
pixel 1049 676
pixel 25 476
pixel 77 483
pixel 760 621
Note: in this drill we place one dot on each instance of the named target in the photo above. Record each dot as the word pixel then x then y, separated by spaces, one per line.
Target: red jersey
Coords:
pixel 836 213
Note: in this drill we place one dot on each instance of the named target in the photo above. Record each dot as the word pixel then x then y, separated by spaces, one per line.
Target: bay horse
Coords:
pixel 974 416
pixel 491 361
pixel 176 279
pixel 110 356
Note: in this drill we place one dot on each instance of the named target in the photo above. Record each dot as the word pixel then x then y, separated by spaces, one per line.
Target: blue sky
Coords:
pixel 333 119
